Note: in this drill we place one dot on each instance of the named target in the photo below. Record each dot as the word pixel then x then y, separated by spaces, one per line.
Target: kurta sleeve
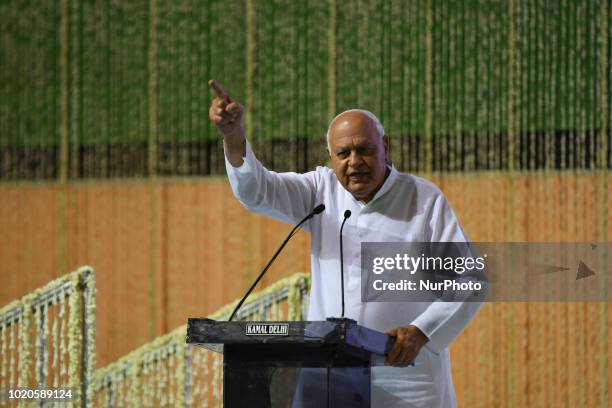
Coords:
pixel 287 197
pixel 442 321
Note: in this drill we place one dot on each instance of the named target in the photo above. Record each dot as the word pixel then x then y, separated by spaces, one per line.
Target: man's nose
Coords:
pixel 355 159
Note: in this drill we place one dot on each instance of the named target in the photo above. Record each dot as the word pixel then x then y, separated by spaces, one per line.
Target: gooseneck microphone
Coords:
pixel 347 214
pixel 317 210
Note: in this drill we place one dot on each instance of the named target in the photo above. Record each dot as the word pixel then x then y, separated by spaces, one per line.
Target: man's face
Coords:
pixel 358 155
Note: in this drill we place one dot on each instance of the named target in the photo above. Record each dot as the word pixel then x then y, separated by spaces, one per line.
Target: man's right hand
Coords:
pixel 228 116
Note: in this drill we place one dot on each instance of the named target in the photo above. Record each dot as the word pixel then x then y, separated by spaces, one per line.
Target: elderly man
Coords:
pixel 386 206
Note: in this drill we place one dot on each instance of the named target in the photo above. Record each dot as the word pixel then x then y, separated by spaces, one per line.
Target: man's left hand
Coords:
pixel 408 343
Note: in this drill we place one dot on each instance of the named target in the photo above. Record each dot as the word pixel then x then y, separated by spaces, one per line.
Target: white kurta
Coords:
pixel 405 209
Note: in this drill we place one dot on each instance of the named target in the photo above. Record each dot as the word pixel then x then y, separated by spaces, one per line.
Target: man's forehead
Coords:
pixel 354 139
pixel 352 124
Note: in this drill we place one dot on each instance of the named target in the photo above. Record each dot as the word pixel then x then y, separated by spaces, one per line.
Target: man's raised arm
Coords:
pixel 287 197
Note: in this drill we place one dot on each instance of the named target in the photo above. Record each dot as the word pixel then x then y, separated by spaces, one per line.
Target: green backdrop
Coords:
pixel 119 88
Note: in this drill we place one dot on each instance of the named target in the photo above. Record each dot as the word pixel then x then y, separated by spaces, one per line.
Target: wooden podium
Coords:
pixel 292 364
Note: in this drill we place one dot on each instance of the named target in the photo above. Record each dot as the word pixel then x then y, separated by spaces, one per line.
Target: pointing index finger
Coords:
pixel 216 86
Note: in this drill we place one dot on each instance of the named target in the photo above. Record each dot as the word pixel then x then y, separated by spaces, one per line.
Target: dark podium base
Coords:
pixel 288 375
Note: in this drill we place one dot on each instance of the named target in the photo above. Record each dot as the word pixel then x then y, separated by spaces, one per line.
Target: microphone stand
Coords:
pixel 347 214
pixel 317 210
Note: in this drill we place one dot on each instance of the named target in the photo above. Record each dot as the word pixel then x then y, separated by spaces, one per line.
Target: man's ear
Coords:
pixel 387 144
pixel 328 152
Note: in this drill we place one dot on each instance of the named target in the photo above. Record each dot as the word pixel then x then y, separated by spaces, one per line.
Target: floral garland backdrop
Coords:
pixel 506 105
pixel 119 89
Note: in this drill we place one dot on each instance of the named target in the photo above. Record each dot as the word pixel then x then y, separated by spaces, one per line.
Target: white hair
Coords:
pixel 373 118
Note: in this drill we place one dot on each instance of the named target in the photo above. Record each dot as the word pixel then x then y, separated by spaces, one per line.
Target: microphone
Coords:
pixel 317 210
pixel 347 214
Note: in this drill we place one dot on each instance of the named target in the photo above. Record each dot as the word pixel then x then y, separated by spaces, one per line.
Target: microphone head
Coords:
pixel 347 214
pixel 318 209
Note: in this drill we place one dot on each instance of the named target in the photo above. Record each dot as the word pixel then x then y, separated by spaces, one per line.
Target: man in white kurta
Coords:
pixel 386 206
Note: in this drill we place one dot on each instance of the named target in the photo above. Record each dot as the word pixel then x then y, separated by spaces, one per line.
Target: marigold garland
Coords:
pixel 21 330
pixel 163 355
pixel 148 367
pixel 3 353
